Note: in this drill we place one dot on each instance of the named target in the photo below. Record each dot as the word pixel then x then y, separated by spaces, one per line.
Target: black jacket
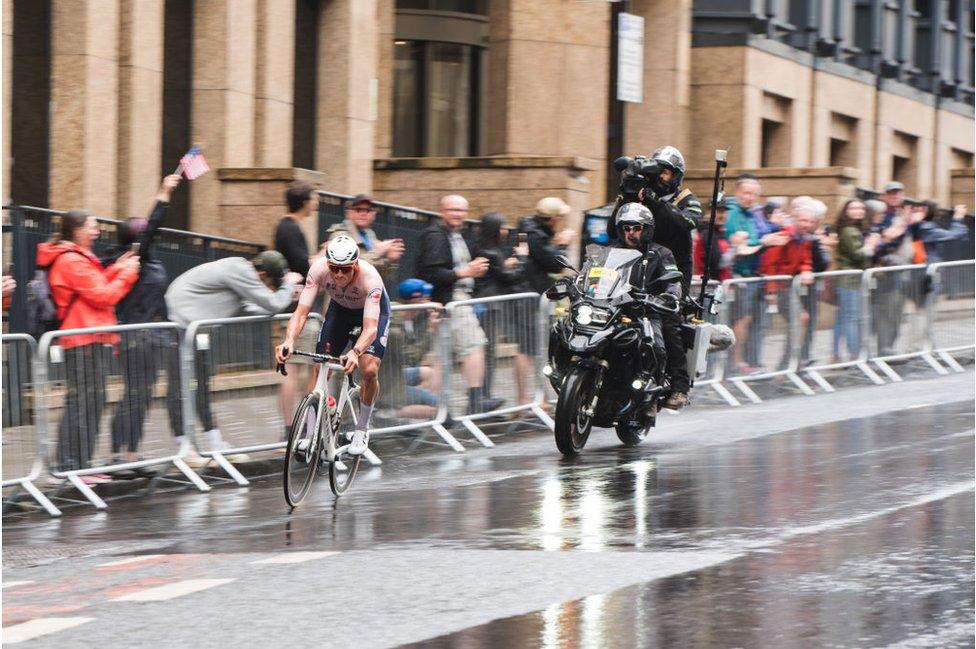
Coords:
pixel 290 242
pixel 500 280
pixel 146 301
pixel 435 262
pixel 657 261
pixel 673 225
pixel 542 253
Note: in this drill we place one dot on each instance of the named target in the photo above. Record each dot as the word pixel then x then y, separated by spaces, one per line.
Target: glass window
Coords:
pixel 463 6
pixel 408 82
pixel 435 99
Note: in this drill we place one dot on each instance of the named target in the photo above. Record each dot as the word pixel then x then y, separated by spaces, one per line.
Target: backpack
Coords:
pixel 42 312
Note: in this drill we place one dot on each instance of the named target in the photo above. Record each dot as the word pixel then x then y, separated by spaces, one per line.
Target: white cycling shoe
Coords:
pixel 359 443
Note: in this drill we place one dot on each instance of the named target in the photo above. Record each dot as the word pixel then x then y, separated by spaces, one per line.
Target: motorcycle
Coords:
pixel 607 359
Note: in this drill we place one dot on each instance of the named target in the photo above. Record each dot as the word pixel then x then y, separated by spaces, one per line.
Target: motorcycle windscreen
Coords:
pixel 606 272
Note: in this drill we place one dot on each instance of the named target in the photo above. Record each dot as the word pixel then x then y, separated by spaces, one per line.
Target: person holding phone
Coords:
pixel 382 254
pixel 144 353
pixel 509 321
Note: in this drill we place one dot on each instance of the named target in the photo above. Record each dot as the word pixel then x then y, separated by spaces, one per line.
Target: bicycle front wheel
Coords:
pixel 302 452
pixel 343 468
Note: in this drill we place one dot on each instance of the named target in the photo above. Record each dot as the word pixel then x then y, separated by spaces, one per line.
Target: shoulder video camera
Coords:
pixel 636 173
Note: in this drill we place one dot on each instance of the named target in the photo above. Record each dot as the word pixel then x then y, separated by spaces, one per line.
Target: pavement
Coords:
pixel 839 520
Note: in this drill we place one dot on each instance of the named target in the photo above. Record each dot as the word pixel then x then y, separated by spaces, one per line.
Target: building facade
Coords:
pixel 504 101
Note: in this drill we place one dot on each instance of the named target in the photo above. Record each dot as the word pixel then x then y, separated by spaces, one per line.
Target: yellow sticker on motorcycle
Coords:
pixel 600 277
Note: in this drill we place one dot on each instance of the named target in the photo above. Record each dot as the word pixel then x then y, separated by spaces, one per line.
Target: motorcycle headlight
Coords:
pixel 584 315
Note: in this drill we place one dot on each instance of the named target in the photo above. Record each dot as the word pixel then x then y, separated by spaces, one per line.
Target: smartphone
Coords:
pixel 523 238
pixel 134 248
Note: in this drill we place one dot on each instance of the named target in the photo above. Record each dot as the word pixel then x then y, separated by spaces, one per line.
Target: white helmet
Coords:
pixel 342 251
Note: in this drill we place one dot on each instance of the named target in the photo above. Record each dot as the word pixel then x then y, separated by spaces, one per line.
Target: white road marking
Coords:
pixel 172 591
pixel 293 557
pixel 15 584
pixel 122 562
pixel 41 626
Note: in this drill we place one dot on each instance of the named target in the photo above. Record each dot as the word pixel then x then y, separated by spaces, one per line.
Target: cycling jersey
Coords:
pixel 364 292
pixel 364 297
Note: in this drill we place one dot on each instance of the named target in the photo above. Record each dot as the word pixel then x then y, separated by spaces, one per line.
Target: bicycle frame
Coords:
pixel 321 389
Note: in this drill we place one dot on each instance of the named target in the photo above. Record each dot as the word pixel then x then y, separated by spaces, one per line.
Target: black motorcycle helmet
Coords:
pixel 635 214
pixel 669 157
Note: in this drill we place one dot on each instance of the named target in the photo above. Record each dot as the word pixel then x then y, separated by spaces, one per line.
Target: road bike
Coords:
pixel 317 437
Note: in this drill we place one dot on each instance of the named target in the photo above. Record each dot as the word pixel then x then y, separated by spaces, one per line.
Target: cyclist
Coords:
pixel 358 303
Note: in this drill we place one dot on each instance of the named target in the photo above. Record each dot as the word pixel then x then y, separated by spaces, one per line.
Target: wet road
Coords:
pixel 843 520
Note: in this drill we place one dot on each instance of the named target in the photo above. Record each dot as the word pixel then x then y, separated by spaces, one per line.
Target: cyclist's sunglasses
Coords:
pixel 633 228
pixel 340 270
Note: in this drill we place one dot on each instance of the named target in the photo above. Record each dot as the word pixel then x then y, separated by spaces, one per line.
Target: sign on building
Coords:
pixel 630 58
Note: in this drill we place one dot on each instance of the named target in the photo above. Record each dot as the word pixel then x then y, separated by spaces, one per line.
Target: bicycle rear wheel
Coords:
pixel 344 467
pixel 301 458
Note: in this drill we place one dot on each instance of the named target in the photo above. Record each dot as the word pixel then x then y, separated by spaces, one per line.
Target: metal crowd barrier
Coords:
pixel 838 317
pixel 415 373
pixel 716 361
pixel 22 451
pixel 951 320
pixel 236 394
pixel 496 348
pixel 897 299
pixel 99 387
pixel 768 320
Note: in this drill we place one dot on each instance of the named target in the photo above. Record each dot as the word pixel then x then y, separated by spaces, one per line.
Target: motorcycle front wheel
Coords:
pixel 572 425
pixel 631 433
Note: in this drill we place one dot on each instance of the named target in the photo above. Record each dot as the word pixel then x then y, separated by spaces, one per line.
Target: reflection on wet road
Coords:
pixel 851 533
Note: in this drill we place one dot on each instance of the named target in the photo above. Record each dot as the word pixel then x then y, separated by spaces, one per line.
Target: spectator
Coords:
pixel 894 249
pixel 413 380
pixel 934 237
pixel 445 262
pixel 743 235
pixel 794 258
pixel 223 289
pixel 545 242
pixel 9 287
pixel 854 252
pixel 721 257
pixel 147 351
pixel 384 255
pixel 515 322
pixel 85 295
pixel 821 243
pixel 289 240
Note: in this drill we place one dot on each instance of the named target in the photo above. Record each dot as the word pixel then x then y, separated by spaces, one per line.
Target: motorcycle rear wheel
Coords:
pixel 572 426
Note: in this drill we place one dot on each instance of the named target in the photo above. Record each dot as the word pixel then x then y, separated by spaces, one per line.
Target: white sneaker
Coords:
pixel 217 443
pixel 360 442
pixel 190 456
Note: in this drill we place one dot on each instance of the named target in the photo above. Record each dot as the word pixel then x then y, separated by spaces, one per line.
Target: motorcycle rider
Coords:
pixel 635 226
pixel 677 213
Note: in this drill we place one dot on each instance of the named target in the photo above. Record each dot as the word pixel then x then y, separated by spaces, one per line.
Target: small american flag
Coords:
pixel 194 164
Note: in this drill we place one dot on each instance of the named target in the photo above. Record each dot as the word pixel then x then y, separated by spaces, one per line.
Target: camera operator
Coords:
pixel 656 183
pixel 677 212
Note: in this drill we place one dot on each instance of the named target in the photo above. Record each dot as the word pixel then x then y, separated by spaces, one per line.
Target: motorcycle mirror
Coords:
pixel 621 163
pixel 564 262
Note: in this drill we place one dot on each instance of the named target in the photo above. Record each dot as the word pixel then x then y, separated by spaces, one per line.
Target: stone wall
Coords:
pixel 252 201
pixel 962 188
pixel 510 184
pixel 832 185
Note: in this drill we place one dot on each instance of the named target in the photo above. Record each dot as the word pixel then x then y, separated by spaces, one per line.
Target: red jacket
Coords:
pixel 720 246
pixel 791 259
pixel 96 290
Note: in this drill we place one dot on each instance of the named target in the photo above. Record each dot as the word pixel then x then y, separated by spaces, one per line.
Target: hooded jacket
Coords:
pixel 84 292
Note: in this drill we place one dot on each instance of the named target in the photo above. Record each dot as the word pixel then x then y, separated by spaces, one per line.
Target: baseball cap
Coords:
pixel 361 198
pixel 552 206
pixel 894 186
pixel 273 264
pixel 413 288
